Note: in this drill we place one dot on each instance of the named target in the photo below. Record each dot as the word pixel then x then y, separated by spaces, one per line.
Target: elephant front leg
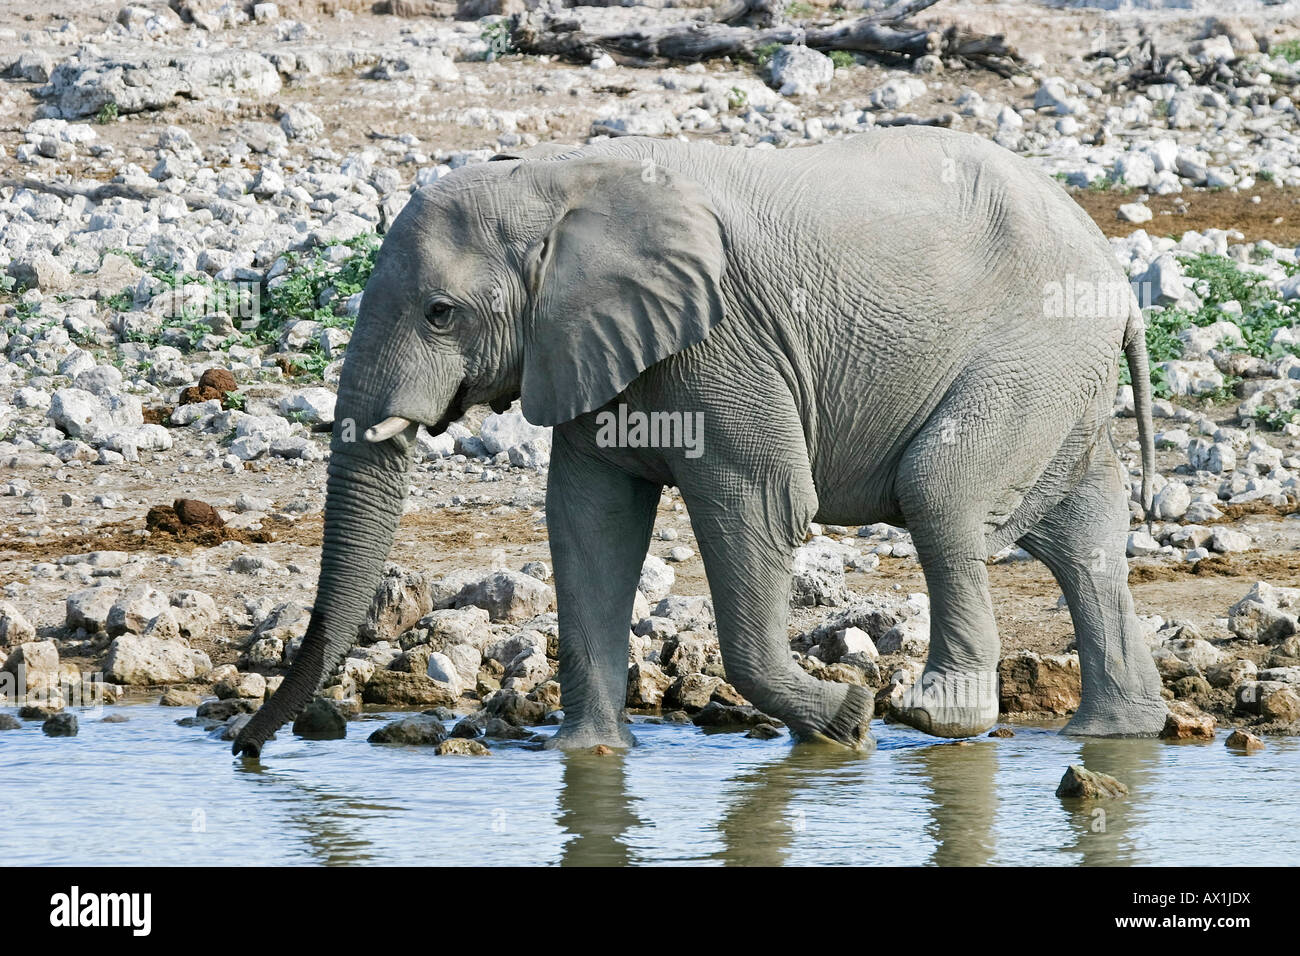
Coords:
pixel 600 519
pixel 749 577
pixel 746 525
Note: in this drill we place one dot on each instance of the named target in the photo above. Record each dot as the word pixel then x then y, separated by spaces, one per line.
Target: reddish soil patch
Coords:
pixel 1275 217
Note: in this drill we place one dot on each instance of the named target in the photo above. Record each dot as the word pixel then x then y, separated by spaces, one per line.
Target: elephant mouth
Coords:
pixel 394 425
pixel 455 409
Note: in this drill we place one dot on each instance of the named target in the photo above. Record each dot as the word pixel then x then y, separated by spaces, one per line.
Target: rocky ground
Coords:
pixel 193 198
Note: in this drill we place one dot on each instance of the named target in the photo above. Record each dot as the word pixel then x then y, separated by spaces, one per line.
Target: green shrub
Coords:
pixel 1288 50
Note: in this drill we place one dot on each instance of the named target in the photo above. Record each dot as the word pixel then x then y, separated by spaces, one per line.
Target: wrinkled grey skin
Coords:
pixel 863 326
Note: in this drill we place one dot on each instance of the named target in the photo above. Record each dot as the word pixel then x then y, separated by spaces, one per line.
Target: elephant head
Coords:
pixel 560 280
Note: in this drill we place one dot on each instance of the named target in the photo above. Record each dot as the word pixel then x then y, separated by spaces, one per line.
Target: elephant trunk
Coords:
pixel 363 503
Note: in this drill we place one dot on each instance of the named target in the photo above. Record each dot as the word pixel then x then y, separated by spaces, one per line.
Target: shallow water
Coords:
pixel 150 792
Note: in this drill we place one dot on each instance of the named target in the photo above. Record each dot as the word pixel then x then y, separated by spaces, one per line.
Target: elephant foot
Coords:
pixel 851 725
pixel 616 736
pixel 949 704
pixel 1143 717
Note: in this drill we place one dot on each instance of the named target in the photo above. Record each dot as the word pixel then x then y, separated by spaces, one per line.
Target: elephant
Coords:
pixel 911 326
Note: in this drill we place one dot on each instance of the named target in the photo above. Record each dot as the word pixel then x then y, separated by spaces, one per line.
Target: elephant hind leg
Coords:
pixel 1082 541
pixel 976 473
pixel 956 694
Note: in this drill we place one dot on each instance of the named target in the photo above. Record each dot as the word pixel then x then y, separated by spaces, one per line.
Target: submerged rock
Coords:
pixel 416 730
pixel 730 718
pixel 321 720
pixel 60 725
pixel 1243 740
pixel 1084 784
pixel 462 746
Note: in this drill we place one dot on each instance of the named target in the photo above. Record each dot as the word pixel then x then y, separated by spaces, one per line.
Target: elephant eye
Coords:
pixel 439 312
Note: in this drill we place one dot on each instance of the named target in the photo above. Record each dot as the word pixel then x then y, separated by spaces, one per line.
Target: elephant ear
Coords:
pixel 629 274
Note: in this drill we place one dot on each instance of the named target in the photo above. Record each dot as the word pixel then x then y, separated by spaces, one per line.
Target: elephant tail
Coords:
pixel 1135 351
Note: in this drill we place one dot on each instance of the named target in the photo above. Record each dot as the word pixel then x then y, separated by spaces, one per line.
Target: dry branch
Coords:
pixel 744 26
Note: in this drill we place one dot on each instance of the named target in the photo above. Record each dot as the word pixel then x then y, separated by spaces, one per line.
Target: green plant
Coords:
pixel 764 52
pixel 497 37
pixel 799 11
pixel 1288 50
pixel 107 113
pixel 1225 393
pixel 1104 183
pixel 737 99
pixel 313 364
pixel 134 257
pixel 121 301
pixel 1219 280
pixel 236 400
pixel 1274 419
pixel 842 59
pixel 298 296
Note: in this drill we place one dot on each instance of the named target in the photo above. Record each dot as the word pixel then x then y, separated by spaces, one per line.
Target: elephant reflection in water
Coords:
pixel 963 801
pixel 332 825
pixel 763 822
pixel 1105 831
pixel 764 819
pixel 596 808
pixel 757 829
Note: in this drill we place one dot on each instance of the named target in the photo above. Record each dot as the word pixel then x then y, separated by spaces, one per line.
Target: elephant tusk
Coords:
pixel 387 429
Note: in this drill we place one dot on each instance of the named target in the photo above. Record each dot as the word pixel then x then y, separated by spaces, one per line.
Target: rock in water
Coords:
pixel 179 697
pixel 61 725
pixel 722 718
pixel 1187 722
pixel 462 746
pixel 1085 784
pixel 419 729
pixel 1243 740
pixel 321 720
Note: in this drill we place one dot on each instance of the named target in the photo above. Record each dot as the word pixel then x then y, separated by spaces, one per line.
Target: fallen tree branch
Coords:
pixel 694 40
pixel 901 10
